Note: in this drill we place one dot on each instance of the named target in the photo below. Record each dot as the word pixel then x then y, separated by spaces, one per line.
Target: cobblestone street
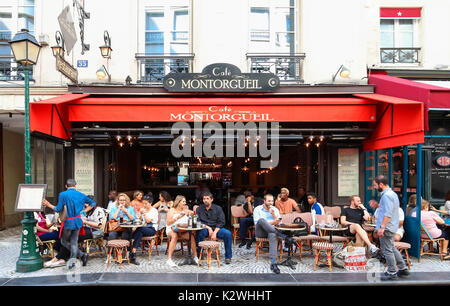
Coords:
pixel 243 262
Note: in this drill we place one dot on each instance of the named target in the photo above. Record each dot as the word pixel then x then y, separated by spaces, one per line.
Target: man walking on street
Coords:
pixel 387 226
pixel 74 202
pixel 266 216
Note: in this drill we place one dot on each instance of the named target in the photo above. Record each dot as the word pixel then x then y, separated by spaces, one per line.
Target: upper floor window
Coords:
pixel 14 16
pixel 273 26
pixel 167 40
pixel 399 35
pixel 167 29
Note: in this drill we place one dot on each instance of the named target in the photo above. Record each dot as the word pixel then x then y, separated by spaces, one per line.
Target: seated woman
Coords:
pixel 164 204
pixel 150 217
pixel 178 215
pixel 44 231
pixel 123 210
pixel 137 202
pixel 446 212
pixel 430 220
pixel 92 220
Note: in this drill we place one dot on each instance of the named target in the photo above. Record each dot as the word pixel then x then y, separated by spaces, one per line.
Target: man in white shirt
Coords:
pixel 112 197
pixel 266 216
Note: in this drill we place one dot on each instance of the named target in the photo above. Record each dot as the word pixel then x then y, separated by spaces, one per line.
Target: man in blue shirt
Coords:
pixel 387 226
pixel 316 209
pixel 266 216
pixel 74 202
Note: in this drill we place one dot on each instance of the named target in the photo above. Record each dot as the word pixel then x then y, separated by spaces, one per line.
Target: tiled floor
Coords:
pixel 243 263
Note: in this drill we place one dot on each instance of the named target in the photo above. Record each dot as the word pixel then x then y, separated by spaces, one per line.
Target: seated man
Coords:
pixel 353 217
pixel 246 222
pixel 213 217
pixel 265 217
pixel 316 209
pixel 285 204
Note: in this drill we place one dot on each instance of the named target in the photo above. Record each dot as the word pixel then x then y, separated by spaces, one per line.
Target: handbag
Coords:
pixel 302 223
pixel 339 259
pixel 113 226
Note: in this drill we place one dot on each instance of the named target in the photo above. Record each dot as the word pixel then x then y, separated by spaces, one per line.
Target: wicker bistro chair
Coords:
pixel 335 211
pixel 99 243
pixel 118 246
pixel 325 247
pixel 150 241
pixel 403 247
pixel 427 239
pixel 46 247
pixel 209 246
pixel 262 243
pixel 238 212
pixel 308 239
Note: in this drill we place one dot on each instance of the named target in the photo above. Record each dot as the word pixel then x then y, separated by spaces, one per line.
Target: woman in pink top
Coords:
pixel 43 231
pixel 430 219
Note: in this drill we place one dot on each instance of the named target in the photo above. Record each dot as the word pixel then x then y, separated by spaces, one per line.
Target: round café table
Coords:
pixel 331 230
pixel 289 231
pixel 190 259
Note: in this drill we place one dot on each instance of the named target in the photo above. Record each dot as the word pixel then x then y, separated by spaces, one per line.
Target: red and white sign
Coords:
pixel 403 12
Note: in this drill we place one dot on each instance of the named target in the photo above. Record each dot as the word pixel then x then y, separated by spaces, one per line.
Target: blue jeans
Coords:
pixel 244 224
pixel 223 234
pixel 140 232
pixel 49 236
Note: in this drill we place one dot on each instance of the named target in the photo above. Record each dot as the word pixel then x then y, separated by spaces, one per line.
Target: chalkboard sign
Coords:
pixel 440 169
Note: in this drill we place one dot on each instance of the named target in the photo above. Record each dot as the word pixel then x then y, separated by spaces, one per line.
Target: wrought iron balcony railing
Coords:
pixel 153 67
pixel 288 67
pixel 10 70
pixel 399 55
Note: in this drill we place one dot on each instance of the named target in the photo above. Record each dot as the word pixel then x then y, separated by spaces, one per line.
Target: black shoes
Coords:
pixel 133 259
pixel 275 268
pixel 84 259
pixel 227 261
pixel 243 242
pixel 249 245
pixel 403 273
pixel 388 277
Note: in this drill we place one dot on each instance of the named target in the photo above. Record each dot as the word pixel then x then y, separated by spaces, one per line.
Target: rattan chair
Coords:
pixel 99 243
pixel 427 239
pixel 46 247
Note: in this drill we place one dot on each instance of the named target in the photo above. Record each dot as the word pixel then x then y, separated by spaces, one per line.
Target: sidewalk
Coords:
pixel 244 270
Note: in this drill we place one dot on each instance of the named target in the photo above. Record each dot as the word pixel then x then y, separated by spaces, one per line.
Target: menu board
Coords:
pixel 84 170
pixel 29 197
pixel 440 169
pixel 348 172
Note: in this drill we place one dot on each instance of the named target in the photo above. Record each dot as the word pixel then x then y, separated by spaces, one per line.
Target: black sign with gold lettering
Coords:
pixel 221 78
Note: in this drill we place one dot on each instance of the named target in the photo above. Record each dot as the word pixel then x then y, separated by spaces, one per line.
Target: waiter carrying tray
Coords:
pixel 74 202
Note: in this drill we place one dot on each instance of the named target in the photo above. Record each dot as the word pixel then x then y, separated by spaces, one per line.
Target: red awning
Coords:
pixel 431 96
pixel 399 123
pixel 50 116
pixel 233 109
pixel 400 12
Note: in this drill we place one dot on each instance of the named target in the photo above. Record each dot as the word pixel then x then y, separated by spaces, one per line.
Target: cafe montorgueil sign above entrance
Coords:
pixel 221 77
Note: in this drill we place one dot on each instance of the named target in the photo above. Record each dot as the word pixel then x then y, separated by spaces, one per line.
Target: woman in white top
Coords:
pixel 149 216
pixel 163 205
pixel 178 215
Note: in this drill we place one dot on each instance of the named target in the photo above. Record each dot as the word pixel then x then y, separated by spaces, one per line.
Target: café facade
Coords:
pixel 330 138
